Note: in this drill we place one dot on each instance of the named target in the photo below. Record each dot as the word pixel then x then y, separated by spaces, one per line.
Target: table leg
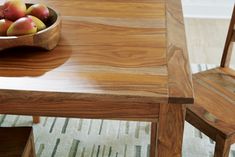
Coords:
pixel 170 130
pixel 222 147
pixel 36 119
pixel 153 140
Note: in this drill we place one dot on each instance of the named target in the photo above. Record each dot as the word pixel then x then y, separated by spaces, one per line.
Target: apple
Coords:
pixel 22 26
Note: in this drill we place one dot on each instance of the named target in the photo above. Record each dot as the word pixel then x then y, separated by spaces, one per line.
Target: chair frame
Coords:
pixel 227 53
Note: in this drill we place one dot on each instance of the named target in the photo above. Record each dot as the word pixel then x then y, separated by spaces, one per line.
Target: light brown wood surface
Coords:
pixel 213 112
pixel 17 142
pixel 107 47
pixel 116 59
pixel 215 102
pixel 170 137
pixel 46 39
pixel 179 73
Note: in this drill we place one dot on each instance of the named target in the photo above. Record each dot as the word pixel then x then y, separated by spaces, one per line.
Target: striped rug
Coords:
pixel 68 137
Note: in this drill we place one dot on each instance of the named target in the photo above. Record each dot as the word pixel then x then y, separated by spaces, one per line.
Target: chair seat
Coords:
pixel 214 109
pixel 16 142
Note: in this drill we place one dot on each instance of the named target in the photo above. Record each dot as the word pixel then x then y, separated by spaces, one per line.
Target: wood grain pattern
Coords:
pixel 199 123
pixel 17 142
pixel 66 105
pixel 104 8
pixel 111 56
pixel 179 73
pixel 213 112
pixel 170 137
pixel 46 39
pixel 117 49
pixel 116 59
pixel 220 86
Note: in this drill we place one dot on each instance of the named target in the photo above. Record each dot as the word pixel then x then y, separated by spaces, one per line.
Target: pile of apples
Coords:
pixel 17 20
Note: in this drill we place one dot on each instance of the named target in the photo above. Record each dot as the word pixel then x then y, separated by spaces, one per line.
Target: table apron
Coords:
pixel 85 109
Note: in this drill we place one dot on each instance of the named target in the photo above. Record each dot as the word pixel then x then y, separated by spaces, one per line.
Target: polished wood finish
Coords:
pixel 17 142
pixel 179 73
pixel 214 98
pixel 107 51
pixel 213 112
pixel 46 39
pixel 74 105
pixel 170 139
pixel 228 45
pixel 115 60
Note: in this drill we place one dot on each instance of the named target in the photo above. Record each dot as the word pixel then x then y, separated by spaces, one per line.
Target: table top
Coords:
pixel 115 49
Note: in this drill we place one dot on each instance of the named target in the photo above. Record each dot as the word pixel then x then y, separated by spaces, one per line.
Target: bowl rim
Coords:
pixel 57 22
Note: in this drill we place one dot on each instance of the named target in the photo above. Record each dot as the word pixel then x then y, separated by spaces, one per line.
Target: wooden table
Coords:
pixel 117 59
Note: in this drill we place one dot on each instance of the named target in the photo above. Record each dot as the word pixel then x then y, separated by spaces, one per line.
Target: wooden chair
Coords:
pixel 17 142
pixel 214 109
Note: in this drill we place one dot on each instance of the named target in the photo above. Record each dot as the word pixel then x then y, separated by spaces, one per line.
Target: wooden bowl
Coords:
pixel 46 39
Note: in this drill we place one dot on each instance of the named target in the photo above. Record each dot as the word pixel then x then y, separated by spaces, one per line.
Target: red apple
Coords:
pixel 14 9
pixel 40 25
pixel 39 10
pixel 22 26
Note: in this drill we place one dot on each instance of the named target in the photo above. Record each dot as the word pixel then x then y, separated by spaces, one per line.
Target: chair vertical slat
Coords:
pixel 228 44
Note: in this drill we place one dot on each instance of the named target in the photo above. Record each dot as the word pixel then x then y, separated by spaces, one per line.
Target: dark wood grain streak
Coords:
pixel 153 139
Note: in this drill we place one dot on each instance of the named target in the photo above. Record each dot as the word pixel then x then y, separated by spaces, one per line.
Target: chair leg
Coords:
pixel 222 147
pixel 153 140
pixel 29 150
pixel 36 119
pixel 32 151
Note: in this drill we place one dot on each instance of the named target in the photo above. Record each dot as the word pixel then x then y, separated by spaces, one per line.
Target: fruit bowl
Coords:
pixel 46 39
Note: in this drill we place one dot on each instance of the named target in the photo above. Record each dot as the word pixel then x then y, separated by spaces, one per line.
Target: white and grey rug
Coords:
pixel 68 137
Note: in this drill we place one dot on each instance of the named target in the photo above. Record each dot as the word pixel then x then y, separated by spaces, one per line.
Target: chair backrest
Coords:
pixel 227 54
